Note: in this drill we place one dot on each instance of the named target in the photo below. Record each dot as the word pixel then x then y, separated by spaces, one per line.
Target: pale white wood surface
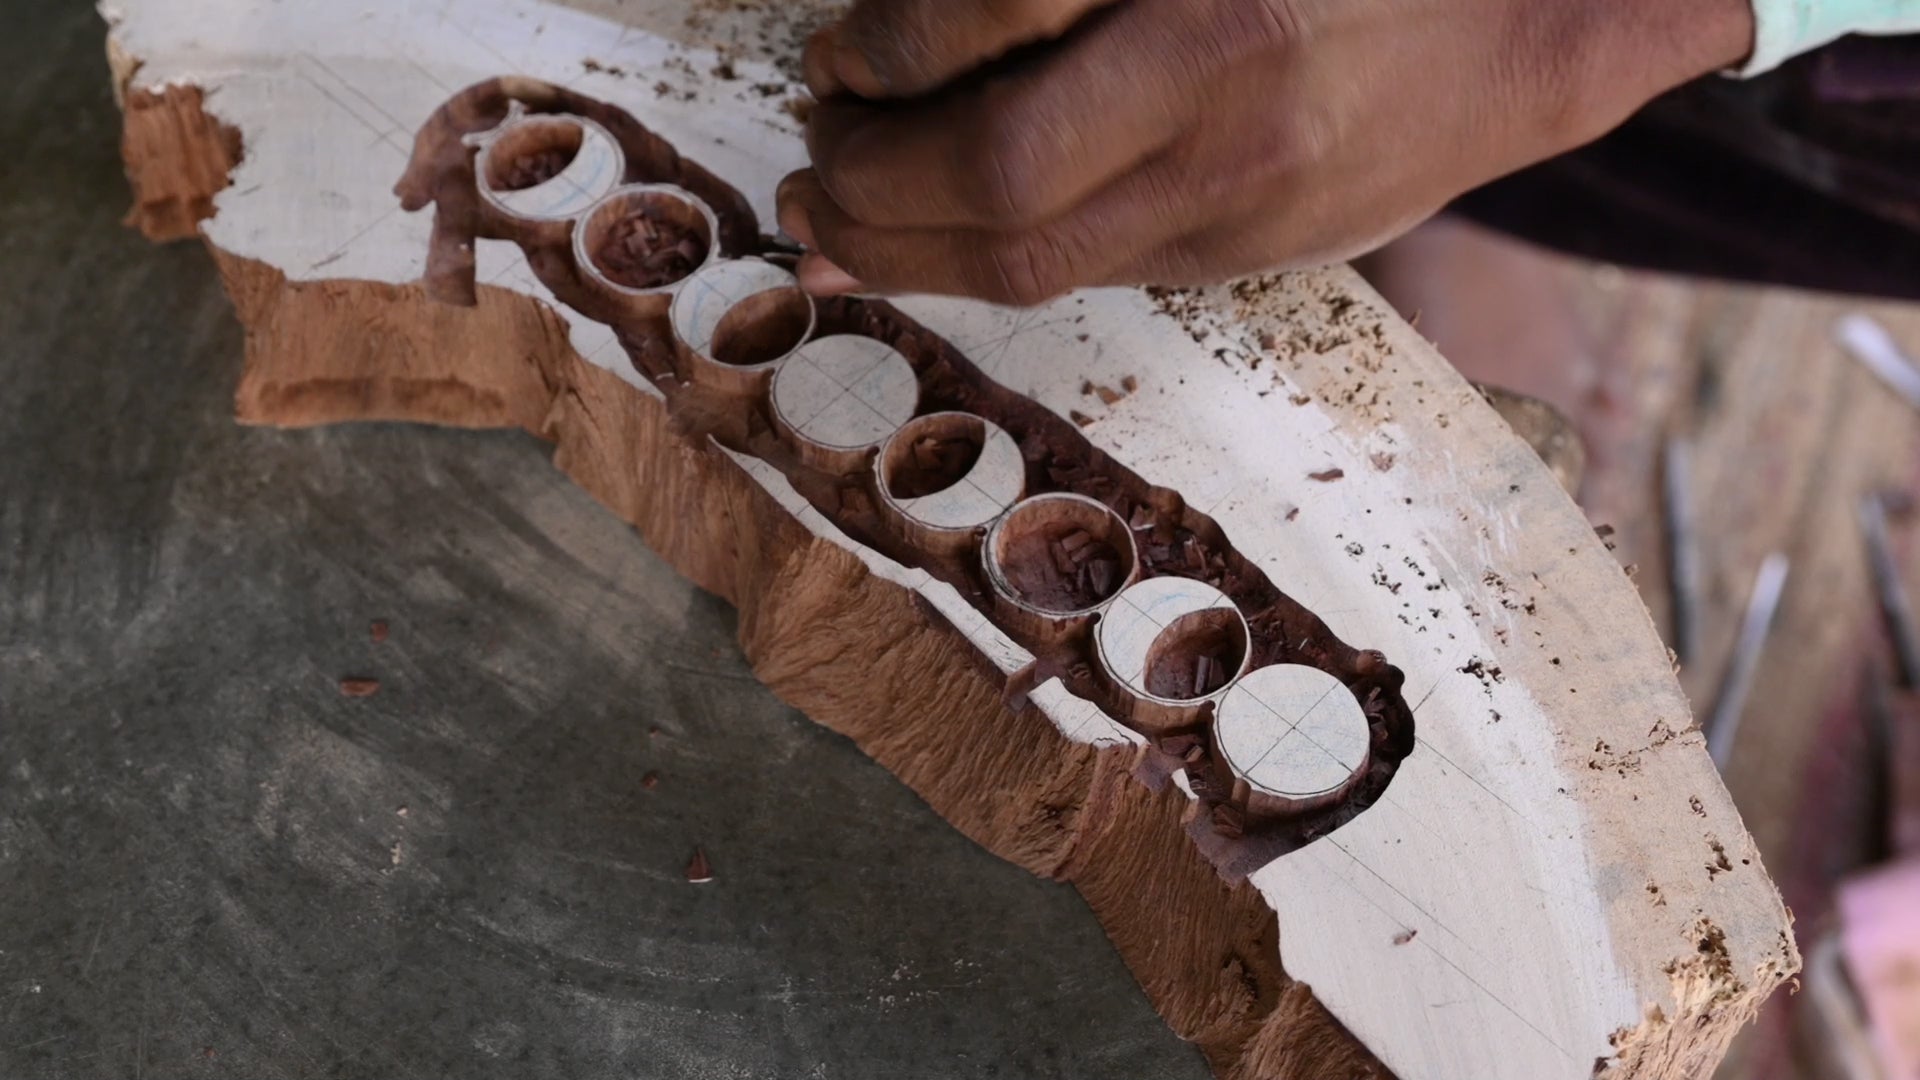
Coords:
pixel 1287 731
pixel 1556 842
pixel 845 392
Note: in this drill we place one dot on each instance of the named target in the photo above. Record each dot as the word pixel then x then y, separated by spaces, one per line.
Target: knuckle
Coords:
pixel 1169 195
pixel 853 175
pixel 1008 177
pixel 1230 32
pixel 1026 271
pixel 1275 22
pixel 1022 20
pixel 889 44
pixel 856 250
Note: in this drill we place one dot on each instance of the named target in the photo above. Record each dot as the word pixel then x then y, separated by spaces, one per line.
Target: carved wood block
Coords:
pixel 1237 609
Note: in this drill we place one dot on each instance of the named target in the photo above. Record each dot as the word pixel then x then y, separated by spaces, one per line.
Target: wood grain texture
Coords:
pixel 1789 434
pixel 178 157
pixel 1541 893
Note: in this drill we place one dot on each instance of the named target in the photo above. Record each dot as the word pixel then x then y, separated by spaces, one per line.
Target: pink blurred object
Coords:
pixel 1880 940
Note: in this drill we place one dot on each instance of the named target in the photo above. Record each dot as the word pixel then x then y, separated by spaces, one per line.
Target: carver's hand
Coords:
pixel 1014 149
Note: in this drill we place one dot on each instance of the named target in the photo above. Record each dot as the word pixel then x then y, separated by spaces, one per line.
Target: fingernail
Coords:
pixel 819 277
pixel 855 72
pixel 794 220
pixel 816 65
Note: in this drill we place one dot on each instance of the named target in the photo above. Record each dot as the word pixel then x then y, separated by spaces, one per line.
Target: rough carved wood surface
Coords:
pixel 1790 434
pixel 1555 882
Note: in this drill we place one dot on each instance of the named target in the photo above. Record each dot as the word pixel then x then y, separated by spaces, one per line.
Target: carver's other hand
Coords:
pixel 1015 149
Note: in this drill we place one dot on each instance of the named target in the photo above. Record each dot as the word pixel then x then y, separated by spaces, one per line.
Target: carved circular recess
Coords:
pixel 1293 734
pixel 1060 555
pixel 643 240
pixel 841 395
pixel 1173 640
pixel 743 314
pixel 548 166
pixel 947 474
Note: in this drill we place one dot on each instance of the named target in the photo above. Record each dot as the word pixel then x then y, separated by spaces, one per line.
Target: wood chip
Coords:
pixel 1104 574
pixel 1129 383
pixel 1062 561
pixel 650 781
pixel 359 687
pixel 1190 550
pixel 1079 417
pixel 1405 936
pixel 1327 475
pixel 378 630
pixel 699 871
pixel 1108 395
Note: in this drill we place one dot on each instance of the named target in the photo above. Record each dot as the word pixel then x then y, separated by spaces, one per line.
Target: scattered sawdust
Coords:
pixel 596 67
pixel 1107 394
pixel 1720 864
pixel 1606 760
pixel 1488 674
pixel 1711 943
pixel 772 30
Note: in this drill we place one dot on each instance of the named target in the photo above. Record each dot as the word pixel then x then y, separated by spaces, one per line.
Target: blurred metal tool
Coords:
pixel 1724 722
pixel 1544 428
pixel 1683 550
pixel 1833 1028
pixel 1894 604
pixel 1870 343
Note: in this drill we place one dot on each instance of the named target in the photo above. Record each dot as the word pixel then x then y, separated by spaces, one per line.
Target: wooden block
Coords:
pixel 1524 879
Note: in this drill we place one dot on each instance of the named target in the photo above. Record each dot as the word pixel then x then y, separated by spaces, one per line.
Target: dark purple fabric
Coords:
pixel 1808 176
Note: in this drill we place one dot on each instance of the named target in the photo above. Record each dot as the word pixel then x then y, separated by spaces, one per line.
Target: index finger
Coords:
pixel 901 48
